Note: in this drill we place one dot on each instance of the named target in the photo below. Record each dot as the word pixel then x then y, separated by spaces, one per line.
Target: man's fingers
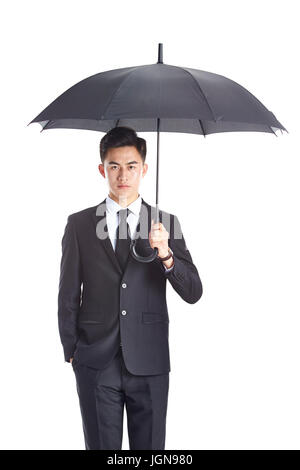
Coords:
pixel 157 226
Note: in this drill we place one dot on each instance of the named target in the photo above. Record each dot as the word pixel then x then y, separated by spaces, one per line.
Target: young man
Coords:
pixel 112 309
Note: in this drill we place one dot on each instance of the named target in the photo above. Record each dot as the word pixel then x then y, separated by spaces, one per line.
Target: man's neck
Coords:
pixel 124 201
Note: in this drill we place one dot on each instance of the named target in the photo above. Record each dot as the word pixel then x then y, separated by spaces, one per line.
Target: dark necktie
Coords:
pixel 123 239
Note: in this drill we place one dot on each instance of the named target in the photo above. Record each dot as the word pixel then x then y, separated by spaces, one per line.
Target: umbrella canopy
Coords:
pixel 160 98
pixel 183 99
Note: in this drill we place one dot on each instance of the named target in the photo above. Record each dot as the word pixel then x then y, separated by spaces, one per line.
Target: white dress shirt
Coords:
pixel 112 219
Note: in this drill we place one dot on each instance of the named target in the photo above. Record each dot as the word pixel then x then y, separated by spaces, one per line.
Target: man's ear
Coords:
pixel 145 169
pixel 101 169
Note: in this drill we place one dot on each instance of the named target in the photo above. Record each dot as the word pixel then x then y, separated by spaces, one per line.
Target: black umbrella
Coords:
pixel 158 98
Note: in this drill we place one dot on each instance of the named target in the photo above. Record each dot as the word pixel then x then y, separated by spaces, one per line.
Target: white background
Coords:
pixel 234 381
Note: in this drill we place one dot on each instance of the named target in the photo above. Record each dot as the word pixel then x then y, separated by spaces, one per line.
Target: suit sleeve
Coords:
pixel 184 276
pixel 69 295
pixel 168 269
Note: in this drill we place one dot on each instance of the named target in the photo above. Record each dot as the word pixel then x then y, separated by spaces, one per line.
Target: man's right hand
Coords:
pixel 71 359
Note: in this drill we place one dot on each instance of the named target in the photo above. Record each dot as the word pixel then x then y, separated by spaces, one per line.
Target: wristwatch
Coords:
pixel 166 257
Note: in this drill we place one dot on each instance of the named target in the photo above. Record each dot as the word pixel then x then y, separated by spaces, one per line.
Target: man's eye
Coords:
pixel 114 166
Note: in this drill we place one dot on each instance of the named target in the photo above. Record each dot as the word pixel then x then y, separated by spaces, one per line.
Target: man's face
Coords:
pixel 124 169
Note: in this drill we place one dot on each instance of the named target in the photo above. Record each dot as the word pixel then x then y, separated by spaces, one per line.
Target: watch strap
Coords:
pixel 166 257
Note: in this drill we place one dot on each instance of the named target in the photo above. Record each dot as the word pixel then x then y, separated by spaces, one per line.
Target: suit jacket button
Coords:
pixel 124 285
pixel 123 312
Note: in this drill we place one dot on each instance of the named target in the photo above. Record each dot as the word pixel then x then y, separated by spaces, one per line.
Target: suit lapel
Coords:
pixel 99 213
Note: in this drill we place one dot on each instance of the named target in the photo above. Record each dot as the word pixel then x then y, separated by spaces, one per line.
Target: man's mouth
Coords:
pixel 123 186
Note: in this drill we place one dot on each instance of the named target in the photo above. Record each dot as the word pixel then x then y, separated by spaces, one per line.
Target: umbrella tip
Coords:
pixel 160 53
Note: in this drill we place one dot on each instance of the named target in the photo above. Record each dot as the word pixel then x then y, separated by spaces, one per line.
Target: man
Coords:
pixel 112 309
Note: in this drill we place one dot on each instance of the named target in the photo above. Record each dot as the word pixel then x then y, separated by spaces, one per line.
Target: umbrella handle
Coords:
pixel 142 259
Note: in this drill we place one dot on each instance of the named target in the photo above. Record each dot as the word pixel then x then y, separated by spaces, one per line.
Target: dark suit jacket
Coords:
pixel 99 306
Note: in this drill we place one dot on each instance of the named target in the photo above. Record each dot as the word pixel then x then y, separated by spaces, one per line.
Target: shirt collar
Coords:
pixel 113 207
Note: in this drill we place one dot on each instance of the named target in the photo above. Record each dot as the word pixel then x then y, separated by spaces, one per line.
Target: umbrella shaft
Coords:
pixel 157 172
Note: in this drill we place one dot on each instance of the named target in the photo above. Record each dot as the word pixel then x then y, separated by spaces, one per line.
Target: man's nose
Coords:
pixel 122 174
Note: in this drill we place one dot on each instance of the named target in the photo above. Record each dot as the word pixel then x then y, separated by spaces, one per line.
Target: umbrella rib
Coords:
pixel 182 68
pixel 202 128
pixel 273 131
pixel 45 125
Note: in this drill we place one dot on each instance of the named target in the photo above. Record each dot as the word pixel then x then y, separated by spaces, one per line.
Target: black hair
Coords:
pixel 119 137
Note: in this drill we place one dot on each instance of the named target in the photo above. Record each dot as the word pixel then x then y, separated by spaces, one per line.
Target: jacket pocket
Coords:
pixel 154 317
pixel 91 321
